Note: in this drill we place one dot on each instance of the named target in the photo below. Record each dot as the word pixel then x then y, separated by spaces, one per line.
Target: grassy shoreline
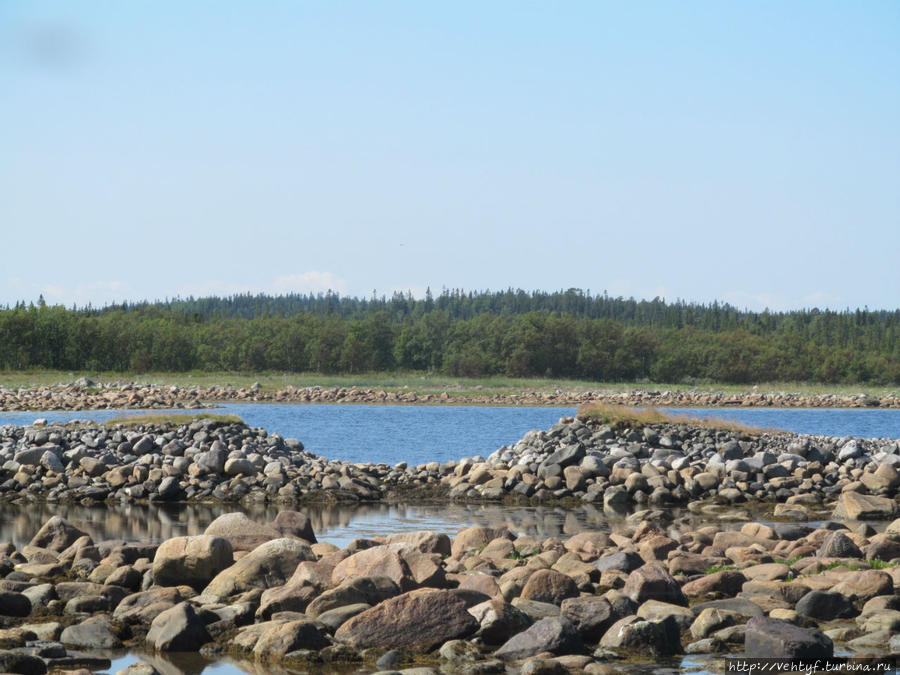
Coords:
pixel 419 383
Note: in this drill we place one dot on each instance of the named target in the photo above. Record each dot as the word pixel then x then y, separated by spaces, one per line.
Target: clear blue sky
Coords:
pixel 739 151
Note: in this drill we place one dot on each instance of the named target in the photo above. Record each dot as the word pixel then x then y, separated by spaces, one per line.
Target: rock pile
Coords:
pixel 88 395
pixel 207 459
pixel 660 465
pixel 484 601
pixel 665 464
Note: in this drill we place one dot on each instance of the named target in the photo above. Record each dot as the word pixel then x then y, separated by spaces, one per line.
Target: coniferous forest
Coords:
pixel 569 334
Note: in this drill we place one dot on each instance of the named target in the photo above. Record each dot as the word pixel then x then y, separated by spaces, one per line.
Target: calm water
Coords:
pixel 419 434
pixel 862 423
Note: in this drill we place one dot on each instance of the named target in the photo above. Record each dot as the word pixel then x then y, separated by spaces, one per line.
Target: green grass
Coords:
pixel 418 383
pixel 720 568
pixel 169 420
pixel 622 417
pixel 875 564
pixel 878 564
pixel 790 561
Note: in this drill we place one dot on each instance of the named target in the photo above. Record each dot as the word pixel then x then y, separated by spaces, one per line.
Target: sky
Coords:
pixel 745 152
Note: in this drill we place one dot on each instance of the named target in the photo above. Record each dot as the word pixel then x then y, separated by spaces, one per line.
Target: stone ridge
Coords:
pixel 574 461
pixel 85 394
pixel 667 464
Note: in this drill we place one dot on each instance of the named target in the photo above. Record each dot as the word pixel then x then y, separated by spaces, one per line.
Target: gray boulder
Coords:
pixel 178 629
pixel 765 637
pixel 557 635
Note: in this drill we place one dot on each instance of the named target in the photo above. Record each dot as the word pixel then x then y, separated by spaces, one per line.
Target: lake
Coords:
pixel 419 434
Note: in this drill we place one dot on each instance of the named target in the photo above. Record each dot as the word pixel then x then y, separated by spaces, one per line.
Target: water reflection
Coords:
pixel 341 524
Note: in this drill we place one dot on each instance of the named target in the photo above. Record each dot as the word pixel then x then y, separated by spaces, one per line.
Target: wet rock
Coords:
pixel 178 629
pixel 418 620
pixel 24 664
pixel 555 635
pixel 771 638
pixel 93 633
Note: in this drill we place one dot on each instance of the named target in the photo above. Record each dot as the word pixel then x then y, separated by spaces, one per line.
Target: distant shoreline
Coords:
pixel 91 395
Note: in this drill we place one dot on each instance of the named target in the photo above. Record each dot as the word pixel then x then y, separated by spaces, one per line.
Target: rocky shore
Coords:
pixel 576 461
pixel 88 395
pixel 484 601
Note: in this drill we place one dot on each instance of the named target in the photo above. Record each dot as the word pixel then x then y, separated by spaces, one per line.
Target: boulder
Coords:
pixel 193 561
pixel 591 615
pixel 826 606
pixel 710 620
pixel 14 604
pixel 288 637
pixel 474 537
pixel 178 629
pixel 768 638
pixel 268 565
pixel 633 634
pixel 295 524
pixel 499 620
pixel 856 506
pixel 725 582
pixel 24 664
pixel 622 561
pixel 419 621
pixel 141 608
pixel 864 585
pixel 653 582
pixel 93 633
pixel 369 590
pixel 658 611
pixel 549 586
pixel 556 635
pixel 243 534
pixel 839 545
pixel 378 561
pixel 57 534
pixel 425 541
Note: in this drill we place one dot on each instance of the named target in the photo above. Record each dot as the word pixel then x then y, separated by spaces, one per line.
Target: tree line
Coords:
pixel 566 334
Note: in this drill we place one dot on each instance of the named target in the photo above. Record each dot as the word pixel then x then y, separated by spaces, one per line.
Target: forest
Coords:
pixel 571 334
